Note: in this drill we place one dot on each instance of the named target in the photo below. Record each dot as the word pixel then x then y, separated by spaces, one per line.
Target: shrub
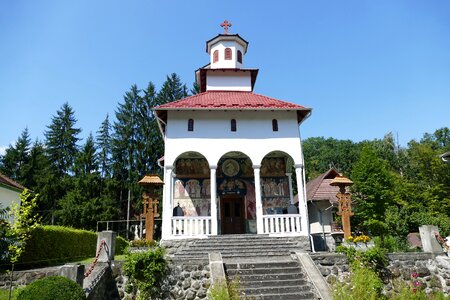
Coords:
pixel 143 243
pixel 50 244
pixel 374 258
pixel 121 245
pixel 363 283
pixel 147 271
pixel 52 288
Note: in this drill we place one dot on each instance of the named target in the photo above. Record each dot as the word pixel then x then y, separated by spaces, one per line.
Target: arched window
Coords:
pixel 239 56
pixel 275 125
pixel 216 56
pixel 233 125
pixel 228 55
pixel 190 125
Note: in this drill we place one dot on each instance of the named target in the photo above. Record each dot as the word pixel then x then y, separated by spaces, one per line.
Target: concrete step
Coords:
pixel 287 296
pixel 250 284
pixel 275 290
pixel 260 277
pixel 264 271
pixel 262 265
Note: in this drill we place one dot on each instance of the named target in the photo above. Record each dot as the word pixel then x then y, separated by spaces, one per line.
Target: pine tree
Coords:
pixel 61 140
pixel 172 90
pixel 105 148
pixel 86 161
pixel 13 163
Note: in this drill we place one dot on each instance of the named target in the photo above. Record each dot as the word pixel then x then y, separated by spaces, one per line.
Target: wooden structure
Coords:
pixel 150 203
pixel 344 202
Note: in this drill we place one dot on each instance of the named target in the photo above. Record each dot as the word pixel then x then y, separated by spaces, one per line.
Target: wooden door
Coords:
pixel 232 215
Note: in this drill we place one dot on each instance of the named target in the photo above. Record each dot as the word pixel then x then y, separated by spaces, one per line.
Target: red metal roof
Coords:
pixel 220 100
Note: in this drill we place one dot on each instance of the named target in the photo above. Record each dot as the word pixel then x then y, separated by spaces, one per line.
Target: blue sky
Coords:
pixel 365 67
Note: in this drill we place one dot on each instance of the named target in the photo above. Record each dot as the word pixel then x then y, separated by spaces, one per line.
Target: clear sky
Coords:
pixel 365 67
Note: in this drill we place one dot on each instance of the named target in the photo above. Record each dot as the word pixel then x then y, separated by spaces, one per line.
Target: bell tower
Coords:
pixel 225 71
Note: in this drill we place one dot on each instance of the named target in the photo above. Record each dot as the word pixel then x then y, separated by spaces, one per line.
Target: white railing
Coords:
pixel 282 224
pixel 191 226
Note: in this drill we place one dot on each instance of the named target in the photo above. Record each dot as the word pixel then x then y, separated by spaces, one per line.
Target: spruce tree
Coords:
pixel 105 148
pixel 61 140
pixel 13 163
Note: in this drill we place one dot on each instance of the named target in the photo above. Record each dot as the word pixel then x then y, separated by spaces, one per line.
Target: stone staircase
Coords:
pixel 270 280
pixel 243 246
pixel 264 267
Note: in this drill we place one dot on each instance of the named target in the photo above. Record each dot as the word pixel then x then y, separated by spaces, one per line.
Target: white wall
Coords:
pixel 213 138
pixel 315 225
pixel 228 81
pixel 222 63
pixel 8 197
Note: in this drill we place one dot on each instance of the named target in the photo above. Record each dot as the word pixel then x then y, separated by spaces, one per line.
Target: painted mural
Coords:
pixel 193 196
pixel 274 167
pixel 275 195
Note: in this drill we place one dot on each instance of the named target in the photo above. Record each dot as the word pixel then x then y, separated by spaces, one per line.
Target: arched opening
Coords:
pixel 236 194
pixel 216 56
pixel 233 125
pixel 239 56
pixel 228 54
pixel 277 184
pixel 275 125
pixel 191 188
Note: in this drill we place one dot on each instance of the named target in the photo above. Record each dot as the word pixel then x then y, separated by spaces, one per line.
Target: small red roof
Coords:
pixel 230 100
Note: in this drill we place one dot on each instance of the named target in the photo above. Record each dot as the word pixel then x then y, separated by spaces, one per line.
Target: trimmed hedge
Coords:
pixel 52 244
pixel 121 245
pixel 52 288
pixel 49 244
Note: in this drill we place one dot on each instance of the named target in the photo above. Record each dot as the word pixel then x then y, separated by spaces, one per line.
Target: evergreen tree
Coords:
pixel 61 140
pixel 105 148
pixel 37 167
pixel 13 163
pixel 172 90
pixel 86 161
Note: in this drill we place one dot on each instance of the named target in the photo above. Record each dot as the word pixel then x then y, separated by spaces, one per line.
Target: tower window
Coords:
pixel 233 125
pixel 275 125
pixel 228 55
pixel 216 56
pixel 190 125
pixel 239 56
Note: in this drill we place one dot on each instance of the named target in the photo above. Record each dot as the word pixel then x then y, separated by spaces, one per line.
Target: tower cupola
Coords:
pixel 226 50
pixel 225 71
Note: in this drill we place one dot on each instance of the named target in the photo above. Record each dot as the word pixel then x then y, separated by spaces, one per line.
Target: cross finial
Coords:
pixel 225 26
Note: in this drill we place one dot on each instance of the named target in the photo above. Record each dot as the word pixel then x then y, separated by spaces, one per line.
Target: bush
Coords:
pixel 52 288
pixel 147 271
pixel 50 244
pixel 362 284
pixel 121 245
pixel 143 243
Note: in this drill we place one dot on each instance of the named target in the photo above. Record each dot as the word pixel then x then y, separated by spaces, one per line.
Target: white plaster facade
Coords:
pixel 199 128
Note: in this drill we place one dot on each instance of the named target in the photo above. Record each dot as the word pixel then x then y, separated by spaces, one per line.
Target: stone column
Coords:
pixel 291 193
pixel 167 203
pixel 212 185
pixel 303 210
pixel 109 247
pixel 259 210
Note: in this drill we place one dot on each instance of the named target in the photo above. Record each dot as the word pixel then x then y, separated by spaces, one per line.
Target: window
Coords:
pixel 190 125
pixel 216 56
pixel 274 125
pixel 233 125
pixel 239 56
pixel 228 53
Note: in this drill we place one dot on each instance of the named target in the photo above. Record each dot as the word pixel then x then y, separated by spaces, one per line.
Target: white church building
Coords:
pixel 230 154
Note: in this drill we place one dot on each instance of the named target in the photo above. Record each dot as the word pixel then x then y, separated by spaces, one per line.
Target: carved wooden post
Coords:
pixel 150 203
pixel 345 203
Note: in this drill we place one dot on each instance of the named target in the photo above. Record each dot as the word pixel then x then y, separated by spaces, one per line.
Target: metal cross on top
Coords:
pixel 225 26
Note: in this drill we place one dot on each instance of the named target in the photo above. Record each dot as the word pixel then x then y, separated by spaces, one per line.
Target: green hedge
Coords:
pixel 52 288
pixel 52 244
pixel 49 244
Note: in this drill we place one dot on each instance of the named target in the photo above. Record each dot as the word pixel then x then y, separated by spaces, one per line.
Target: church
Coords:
pixel 232 157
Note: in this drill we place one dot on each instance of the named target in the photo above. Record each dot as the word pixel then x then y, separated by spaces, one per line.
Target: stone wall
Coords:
pixel 432 271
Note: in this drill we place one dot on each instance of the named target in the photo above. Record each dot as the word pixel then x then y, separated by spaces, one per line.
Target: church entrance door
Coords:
pixel 232 214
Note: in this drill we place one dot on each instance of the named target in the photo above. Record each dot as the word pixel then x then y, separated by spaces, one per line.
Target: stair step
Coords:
pixel 287 296
pixel 260 265
pixel 264 271
pixel 275 290
pixel 255 277
pixel 271 283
